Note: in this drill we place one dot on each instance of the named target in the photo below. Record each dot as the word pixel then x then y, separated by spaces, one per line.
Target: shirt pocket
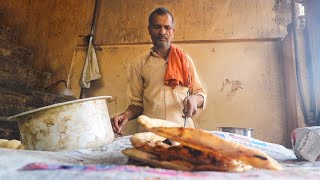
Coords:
pixel 180 93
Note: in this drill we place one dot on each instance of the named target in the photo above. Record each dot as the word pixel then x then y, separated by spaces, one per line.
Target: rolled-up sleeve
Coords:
pixel 136 84
pixel 197 88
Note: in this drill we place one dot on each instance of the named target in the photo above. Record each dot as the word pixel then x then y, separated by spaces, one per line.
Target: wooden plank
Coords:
pixel 289 87
pixel 122 21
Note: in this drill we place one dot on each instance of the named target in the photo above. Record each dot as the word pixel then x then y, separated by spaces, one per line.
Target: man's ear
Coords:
pixel 149 29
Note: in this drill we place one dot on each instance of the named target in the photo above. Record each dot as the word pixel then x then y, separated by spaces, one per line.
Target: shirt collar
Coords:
pixel 155 54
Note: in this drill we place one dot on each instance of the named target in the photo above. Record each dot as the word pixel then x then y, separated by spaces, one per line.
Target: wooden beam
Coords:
pixel 289 86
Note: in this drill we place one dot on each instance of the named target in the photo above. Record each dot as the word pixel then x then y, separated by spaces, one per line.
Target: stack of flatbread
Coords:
pixel 11 144
pixel 169 146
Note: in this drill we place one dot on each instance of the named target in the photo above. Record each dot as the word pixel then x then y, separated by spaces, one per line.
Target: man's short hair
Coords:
pixel 160 11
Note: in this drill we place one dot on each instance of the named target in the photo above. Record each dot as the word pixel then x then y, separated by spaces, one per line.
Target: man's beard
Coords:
pixel 161 45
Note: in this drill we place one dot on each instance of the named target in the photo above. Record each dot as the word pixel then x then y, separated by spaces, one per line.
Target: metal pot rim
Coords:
pixel 251 129
pixel 14 118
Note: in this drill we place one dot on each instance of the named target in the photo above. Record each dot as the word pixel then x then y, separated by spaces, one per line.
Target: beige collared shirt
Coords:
pixel 158 100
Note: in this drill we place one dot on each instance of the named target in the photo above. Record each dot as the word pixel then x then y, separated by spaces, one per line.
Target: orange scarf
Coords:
pixel 177 72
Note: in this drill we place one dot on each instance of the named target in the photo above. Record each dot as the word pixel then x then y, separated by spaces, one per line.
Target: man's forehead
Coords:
pixel 157 19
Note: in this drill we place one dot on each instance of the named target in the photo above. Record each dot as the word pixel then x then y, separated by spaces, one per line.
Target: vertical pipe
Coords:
pixel 311 66
pixel 296 59
pixel 93 24
pixel 94 18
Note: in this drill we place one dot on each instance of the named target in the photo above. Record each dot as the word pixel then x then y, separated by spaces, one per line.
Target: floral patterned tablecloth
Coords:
pixel 109 163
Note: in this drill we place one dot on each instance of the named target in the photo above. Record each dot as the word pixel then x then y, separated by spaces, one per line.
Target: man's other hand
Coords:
pixel 118 122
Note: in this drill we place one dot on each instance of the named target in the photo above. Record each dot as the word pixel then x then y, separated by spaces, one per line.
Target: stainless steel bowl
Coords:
pixel 236 130
pixel 78 124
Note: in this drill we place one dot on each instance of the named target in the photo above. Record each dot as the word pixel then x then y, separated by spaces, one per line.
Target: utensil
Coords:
pixel 185 117
pixel 77 124
pixel 66 91
pixel 236 130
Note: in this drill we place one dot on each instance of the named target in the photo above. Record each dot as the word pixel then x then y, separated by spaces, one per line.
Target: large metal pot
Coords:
pixel 83 123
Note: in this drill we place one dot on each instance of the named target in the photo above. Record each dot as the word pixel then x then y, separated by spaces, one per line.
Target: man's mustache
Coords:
pixel 162 37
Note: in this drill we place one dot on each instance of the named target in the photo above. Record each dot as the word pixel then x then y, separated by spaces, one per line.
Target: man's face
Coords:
pixel 161 31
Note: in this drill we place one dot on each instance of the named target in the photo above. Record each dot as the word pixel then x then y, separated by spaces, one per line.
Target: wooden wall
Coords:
pixel 123 21
pixel 50 28
pixel 259 104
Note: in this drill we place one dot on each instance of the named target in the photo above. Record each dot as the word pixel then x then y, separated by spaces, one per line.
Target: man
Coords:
pixel 162 80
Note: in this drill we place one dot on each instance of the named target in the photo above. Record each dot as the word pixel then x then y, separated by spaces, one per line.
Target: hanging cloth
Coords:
pixel 91 68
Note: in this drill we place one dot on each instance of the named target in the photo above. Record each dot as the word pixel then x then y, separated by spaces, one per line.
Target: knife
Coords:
pixel 185 117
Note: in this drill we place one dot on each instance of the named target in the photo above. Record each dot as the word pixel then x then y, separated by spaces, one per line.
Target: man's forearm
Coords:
pixel 133 111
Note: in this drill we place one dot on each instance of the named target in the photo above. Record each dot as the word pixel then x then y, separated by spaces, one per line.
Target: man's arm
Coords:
pixel 130 113
pixel 136 90
pixel 198 95
pixel 133 111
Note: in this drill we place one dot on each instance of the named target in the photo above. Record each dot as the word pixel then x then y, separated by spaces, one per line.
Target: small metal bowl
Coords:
pixel 242 131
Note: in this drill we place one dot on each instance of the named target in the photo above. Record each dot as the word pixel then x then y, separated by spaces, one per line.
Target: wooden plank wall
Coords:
pixel 256 65
pixel 50 28
pixel 289 86
pixel 221 36
pixel 123 21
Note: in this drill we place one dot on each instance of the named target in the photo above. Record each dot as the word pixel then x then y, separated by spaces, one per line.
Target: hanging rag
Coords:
pixel 91 68
pixel 177 71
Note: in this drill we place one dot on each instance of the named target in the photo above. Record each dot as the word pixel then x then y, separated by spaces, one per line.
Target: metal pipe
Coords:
pixel 296 59
pixel 90 36
pixel 94 18
pixel 315 110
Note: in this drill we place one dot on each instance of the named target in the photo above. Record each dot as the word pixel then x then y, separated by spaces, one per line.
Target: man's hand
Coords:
pixel 118 122
pixel 191 104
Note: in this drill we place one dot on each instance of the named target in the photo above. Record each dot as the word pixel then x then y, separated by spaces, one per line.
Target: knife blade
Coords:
pixel 185 117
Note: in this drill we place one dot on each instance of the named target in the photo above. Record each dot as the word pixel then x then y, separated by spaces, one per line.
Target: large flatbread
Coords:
pixel 153 160
pixel 11 144
pixel 141 139
pixel 149 123
pixel 150 143
pixel 207 142
pixel 176 164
